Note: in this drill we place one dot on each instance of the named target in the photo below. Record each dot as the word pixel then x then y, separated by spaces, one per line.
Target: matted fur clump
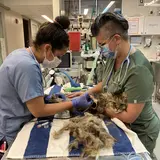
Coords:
pixel 53 99
pixel 88 131
pixel 115 102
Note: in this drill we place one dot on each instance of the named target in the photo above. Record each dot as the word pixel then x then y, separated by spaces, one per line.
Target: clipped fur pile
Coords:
pixel 88 131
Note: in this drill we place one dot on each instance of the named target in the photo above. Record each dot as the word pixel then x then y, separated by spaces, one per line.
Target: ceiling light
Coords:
pixel 85 11
pixel 108 7
pixel 47 18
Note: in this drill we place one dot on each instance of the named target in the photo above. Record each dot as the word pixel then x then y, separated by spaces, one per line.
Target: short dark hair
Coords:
pixel 53 33
pixel 112 23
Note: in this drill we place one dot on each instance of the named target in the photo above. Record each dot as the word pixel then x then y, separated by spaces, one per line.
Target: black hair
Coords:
pixel 53 34
pixel 112 23
pixel 63 21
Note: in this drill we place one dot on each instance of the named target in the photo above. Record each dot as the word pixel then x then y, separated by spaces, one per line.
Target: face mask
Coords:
pixel 106 52
pixel 51 64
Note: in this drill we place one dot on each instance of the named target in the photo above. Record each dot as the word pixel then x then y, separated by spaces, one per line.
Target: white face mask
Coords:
pixel 51 64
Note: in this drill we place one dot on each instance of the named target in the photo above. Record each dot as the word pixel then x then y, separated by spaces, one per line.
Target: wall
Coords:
pixel 1 38
pixel 13 31
pixel 1 26
pixel 3 52
pixel 132 8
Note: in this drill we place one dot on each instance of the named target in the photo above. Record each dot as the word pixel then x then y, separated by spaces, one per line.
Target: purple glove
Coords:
pixel 83 101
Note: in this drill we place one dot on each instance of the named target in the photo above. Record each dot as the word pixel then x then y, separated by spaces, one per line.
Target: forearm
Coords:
pixel 50 109
pixel 124 117
pixel 130 115
pixel 96 89
pixel 39 109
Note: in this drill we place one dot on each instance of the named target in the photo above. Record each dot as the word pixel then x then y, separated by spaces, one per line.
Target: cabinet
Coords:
pixel 152 25
pixel 136 25
pixel 149 25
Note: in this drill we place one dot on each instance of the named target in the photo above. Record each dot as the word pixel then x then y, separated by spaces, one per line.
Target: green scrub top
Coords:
pixel 138 84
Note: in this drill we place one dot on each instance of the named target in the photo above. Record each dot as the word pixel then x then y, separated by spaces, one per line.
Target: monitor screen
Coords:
pixel 136 40
pixel 66 61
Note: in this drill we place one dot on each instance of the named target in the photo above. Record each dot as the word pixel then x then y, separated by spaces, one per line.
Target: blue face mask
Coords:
pixel 106 52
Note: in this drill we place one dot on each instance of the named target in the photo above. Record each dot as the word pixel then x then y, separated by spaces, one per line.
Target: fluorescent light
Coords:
pixel 150 3
pixel 85 11
pixel 108 7
pixel 47 18
pixel 62 12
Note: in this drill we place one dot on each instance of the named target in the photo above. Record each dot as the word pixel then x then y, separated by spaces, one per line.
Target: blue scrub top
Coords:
pixel 20 81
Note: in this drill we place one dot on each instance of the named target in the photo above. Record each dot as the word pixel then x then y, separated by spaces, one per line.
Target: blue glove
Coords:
pixel 83 101
pixel 61 95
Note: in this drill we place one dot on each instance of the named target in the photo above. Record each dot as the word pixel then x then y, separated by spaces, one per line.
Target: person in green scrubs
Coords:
pixel 126 70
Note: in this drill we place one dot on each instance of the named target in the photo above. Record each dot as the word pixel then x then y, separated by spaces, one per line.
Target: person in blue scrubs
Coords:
pixel 21 88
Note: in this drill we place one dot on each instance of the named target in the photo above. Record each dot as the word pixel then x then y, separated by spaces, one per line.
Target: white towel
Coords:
pixel 33 142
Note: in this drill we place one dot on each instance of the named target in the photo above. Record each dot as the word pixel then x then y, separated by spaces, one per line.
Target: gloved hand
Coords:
pixel 75 94
pixel 83 101
pixel 61 95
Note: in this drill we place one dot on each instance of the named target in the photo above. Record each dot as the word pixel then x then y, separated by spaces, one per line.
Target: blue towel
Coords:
pixel 38 142
pixel 54 90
